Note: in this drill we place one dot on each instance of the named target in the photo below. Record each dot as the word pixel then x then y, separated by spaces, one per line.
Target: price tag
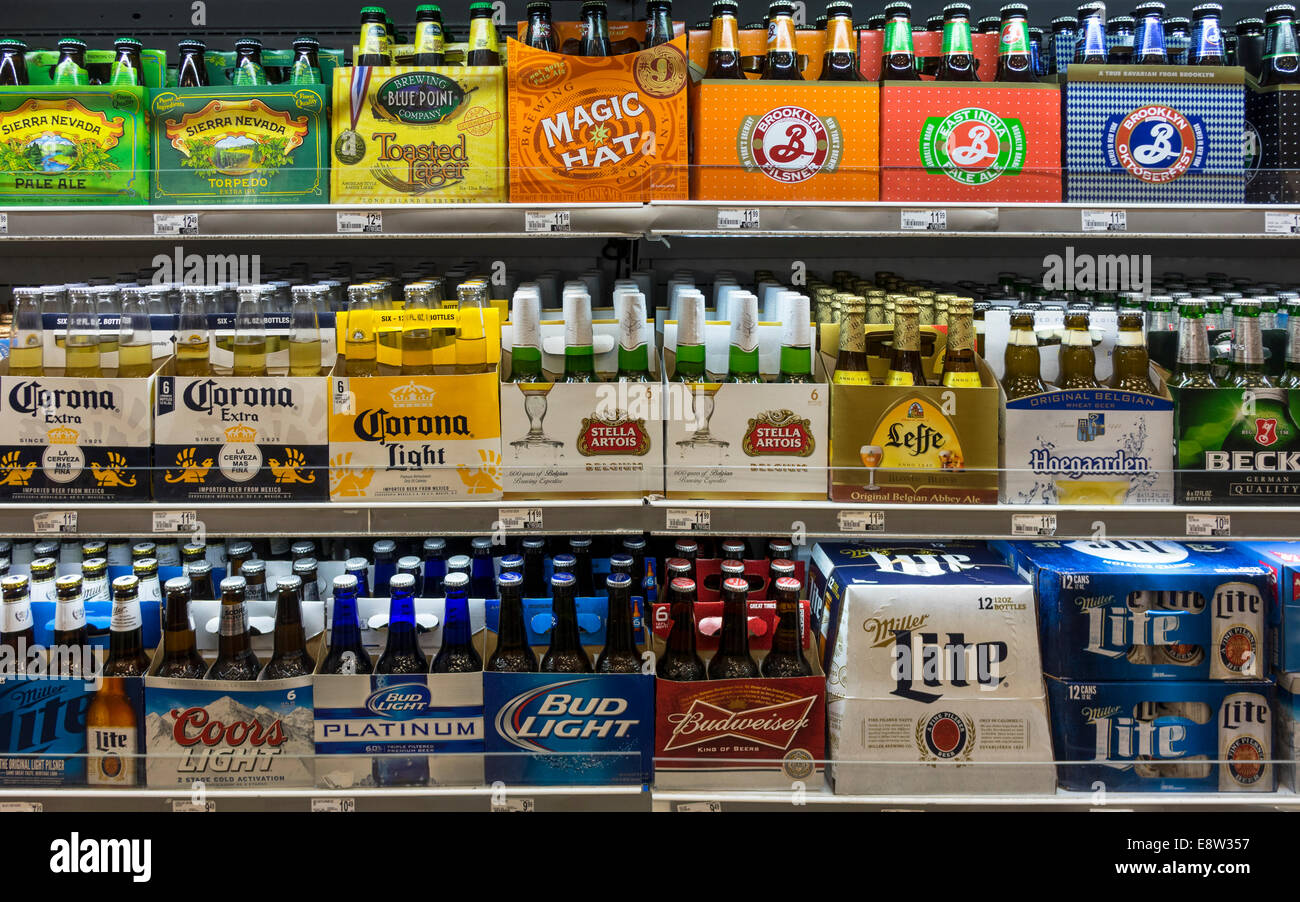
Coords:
pixel 174 521
pixel 698 806
pixel 1278 223
pixel 1033 524
pixel 54 521
pixel 186 805
pixel 1209 525
pixel 925 220
pixel 688 519
pixel 862 521
pixel 520 517
pixel 176 223
pixel 509 804
pixel 350 222
pixel 4 223
pixel 347 805
pixel 738 219
pixel 21 806
pixel 546 221
pixel 1105 221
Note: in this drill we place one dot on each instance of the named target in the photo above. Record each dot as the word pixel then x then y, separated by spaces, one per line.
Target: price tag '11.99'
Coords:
pixel 924 221
pixel 1033 524
pixel 687 519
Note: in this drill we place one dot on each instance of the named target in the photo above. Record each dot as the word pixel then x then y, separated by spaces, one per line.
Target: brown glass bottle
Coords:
pixel 69 650
pixel 565 653
pixel 732 659
pixel 905 365
pixel 782 53
pixel 181 658
pixel 851 365
pixel 960 369
pixel 724 42
pixel 126 654
pixel 1078 359
pixel 680 661
pixel 786 658
pixel 13 63
pixel 290 657
pixel 958 60
pixel 513 654
pixel 1015 57
pixel 1023 368
pixel 899 58
pixel 620 654
pixel 1131 364
pixel 235 657
pixel 840 59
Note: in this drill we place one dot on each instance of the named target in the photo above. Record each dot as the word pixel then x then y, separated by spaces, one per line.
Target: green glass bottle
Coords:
pixel 1192 370
pixel 796 339
pixel 579 351
pixel 1247 347
pixel 1291 374
pixel 633 344
pixel 690 339
pixel 526 347
pixel 742 359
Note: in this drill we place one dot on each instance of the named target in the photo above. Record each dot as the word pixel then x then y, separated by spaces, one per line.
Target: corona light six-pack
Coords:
pixel 932 670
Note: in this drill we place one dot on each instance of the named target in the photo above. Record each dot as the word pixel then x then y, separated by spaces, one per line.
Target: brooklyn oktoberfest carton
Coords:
pixel 953 141
pixel 1240 446
pixel 1160 736
pixel 400 729
pixel 237 438
pixel 738 440
pixel 563 729
pixel 592 129
pixel 1272 143
pixel 930 659
pixel 74 145
pixel 405 134
pixel 1141 134
pixel 1148 609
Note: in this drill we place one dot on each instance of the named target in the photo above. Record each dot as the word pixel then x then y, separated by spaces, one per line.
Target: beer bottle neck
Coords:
pixel 1015 37
pixel 787 638
pixel 724 34
pixel 618 627
pixel 956 37
pixel 510 627
pixel 456 628
pixel 681 638
pixel 907 331
pixel 690 360
pixel 853 336
pixel 1247 341
pixel 735 624
pixel 1193 342
pixel 780 34
pixel 1293 339
pixel 742 362
pixel 289 635
pixel 564 621
pixel 898 36
pixel 345 631
pixel 233 638
pixel 796 360
pixel 840 35
pixel 403 637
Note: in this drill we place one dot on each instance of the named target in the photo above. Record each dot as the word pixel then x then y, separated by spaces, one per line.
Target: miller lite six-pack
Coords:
pixel 1156 660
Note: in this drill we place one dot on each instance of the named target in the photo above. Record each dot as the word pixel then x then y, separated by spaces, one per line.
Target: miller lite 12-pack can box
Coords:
pixel 1151 735
pixel 1148 609
pixel 931 659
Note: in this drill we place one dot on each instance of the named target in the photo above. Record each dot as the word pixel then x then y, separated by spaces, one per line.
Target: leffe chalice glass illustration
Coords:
pixel 702 393
pixel 871 456
pixel 535 408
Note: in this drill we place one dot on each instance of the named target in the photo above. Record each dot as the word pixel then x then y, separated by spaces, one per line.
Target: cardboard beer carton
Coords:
pixel 1148 609
pixel 1272 130
pixel 708 578
pixel 1159 736
pixel 931 659
pixel 1282 560
pixel 1236 446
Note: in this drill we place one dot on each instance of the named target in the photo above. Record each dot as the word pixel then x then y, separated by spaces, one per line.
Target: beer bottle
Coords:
pixel 13 63
pixel 430 38
pixel 1193 367
pixel 483 47
pixel 482 569
pixel 579 352
pixel 687 550
pixel 111 736
pixel 1120 40
pixel 471 331
pixel 840 60
pixel 786 658
pixel 304 330
pixel 580 548
pixel 565 653
pixel 905 366
pixel 360 346
pixel 248 64
pixel 690 353
pixel 70 70
pixel 899 58
pixel 680 661
pixel 595 29
pixel 192 335
pixel 534 551
pixel 1206 48
pixel 733 550
pixel 1022 367
pixel 659 22
pixel 958 60
pixel 139 551
pixel 732 659
pixel 235 657
pixel 17 629
pixel 1291 372
pixel 81 350
pixel 417 341
pixel 724 42
pixel 27 334
pixel 851 367
pixel 635 547
pixel 305 69
pixel 513 654
pixel 134 336
pixel 633 338
pixel 1078 359
pixel 742 358
pixel 347 654
pixel 782 54
pixel 1130 362
pixel 1014 57
pixel 526 346
pixel 71 646
pixel 409 564
pixel 1281 55
pixel 200 575
pixel 541 33
pixel 290 657
pixel 959 367
pixel 126 655
pixel 623 563
pixel 434 551
pixel 620 654
pixel 385 555
pixel 43 573
pixel 1247 346
pixel 372 47
pixel 250 333
pixel 1091 49
pixel 191 71
pixel 457 653
pixel 254 574
pixel 458 563
pixel 796 340
pixel 94 579
pixel 181 659
pixel 1244 45
pixel 402 653
pixel 1149 35
pixel 127 68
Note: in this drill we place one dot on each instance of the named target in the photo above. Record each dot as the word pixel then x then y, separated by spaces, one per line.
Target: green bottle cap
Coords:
pixel 130 42
pixel 311 41
pixel 74 42
pixel 13 44
pixel 428 8
pixel 248 42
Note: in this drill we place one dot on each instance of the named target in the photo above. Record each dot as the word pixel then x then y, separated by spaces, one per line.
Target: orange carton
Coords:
pixel 780 140
pixel 598 129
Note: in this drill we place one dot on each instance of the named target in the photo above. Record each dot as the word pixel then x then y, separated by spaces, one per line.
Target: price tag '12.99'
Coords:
pixel 170 224
pixel 350 223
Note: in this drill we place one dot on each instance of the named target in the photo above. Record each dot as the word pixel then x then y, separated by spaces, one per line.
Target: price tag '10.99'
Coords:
pixel 1209 525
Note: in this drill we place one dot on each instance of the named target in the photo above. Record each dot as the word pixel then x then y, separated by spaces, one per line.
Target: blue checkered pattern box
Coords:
pixel 1154 134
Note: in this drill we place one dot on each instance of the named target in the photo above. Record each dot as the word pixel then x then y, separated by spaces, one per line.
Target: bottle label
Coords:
pixel 723 36
pixel 1130 339
pixel 126 616
pixel 898 37
pixel 234 620
pixel 851 377
pixel 899 379
pixel 70 614
pixel 150 590
pixel 429 38
pixel 373 38
pixel 956 38
pixel 482 35
pixel 95 589
pixel 961 380
pixel 1015 40
pixel 42 589
pixel 15 616
pixel 112 755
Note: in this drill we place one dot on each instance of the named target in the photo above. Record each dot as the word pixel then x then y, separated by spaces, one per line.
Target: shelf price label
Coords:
pixel 1277 222
pixel 207 807
pixel 1105 221
pixel 175 521
pixel 1033 524
pixel 862 521
pixel 924 221
pixel 344 805
pixel 35 807
pixel 4 223
pixel 175 224
pixel 547 221
pixel 688 519
pixel 699 806
pixel 744 219
pixel 349 222
pixel 1209 525
pixel 524 518
pixel 54 521
pixel 513 804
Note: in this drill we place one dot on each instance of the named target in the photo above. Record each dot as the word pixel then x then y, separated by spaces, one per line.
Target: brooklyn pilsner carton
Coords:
pixel 931 659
